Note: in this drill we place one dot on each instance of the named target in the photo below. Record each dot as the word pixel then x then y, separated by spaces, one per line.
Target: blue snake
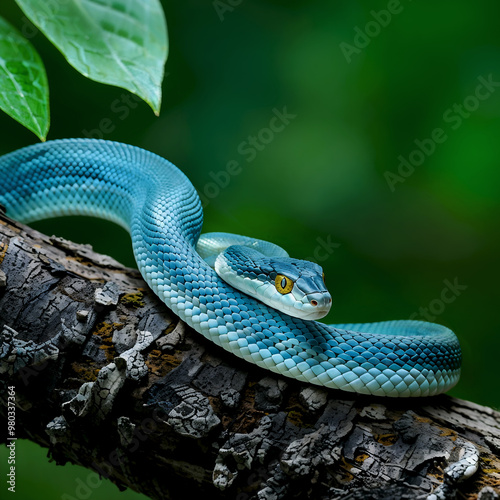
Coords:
pixel 245 295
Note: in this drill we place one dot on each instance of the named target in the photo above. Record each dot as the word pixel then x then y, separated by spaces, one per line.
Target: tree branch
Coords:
pixel 106 377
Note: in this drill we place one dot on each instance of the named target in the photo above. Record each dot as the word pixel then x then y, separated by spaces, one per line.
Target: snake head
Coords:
pixel 295 287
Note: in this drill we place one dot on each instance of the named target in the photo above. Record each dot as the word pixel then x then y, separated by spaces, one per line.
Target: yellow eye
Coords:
pixel 324 279
pixel 283 284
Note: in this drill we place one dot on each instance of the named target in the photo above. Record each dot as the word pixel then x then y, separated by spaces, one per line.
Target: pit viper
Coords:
pixel 243 294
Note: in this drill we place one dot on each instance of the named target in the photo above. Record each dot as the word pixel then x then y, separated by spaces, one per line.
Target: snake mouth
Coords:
pixel 315 305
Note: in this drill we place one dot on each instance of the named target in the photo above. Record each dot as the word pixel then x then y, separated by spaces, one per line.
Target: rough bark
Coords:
pixel 106 377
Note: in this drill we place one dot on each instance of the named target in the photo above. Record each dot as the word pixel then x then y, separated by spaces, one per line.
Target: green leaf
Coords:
pixel 24 90
pixel 118 42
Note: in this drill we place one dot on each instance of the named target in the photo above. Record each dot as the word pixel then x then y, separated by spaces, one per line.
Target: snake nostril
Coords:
pixel 314 302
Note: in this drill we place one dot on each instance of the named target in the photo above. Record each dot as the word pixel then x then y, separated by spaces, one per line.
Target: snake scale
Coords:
pixel 160 208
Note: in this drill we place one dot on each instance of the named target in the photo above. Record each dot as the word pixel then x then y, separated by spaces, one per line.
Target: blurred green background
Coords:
pixel 323 185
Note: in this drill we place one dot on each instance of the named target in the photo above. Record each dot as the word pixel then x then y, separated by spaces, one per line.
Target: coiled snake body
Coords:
pixel 159 206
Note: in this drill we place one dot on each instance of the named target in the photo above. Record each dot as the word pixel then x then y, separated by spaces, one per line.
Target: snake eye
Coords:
pixel 323 276
pixel 283 284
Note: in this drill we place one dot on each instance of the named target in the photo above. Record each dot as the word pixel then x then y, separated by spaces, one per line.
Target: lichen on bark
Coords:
pixel 107 377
